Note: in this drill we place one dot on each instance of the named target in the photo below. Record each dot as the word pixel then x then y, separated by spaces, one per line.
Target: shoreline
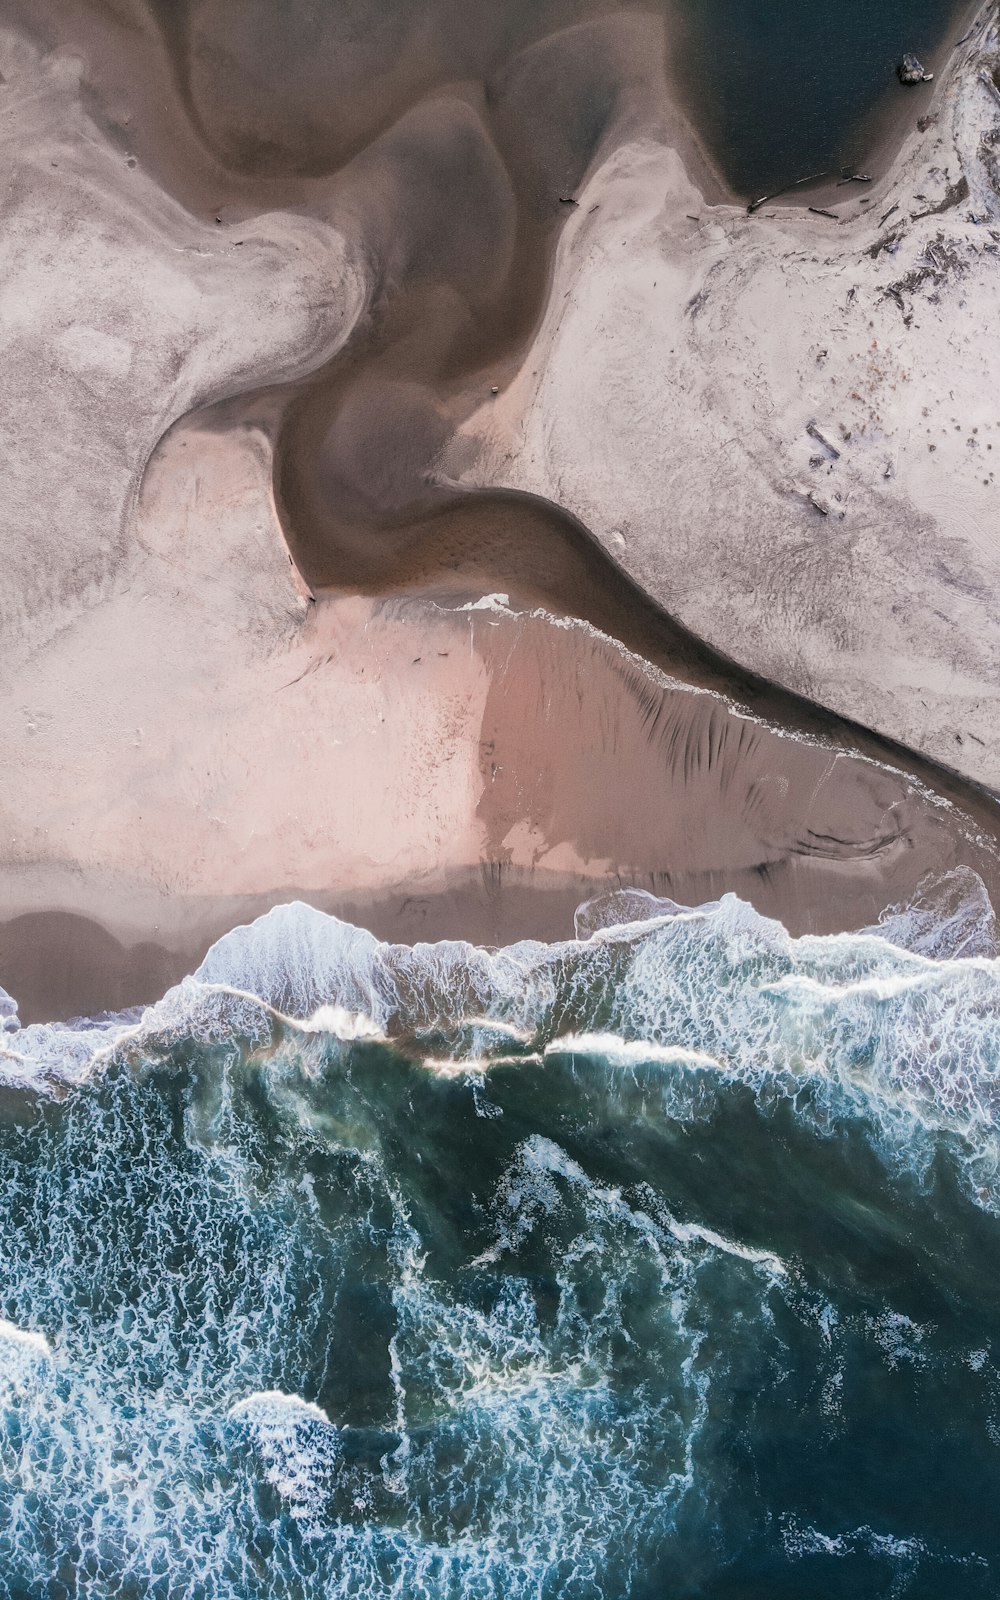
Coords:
pixel 875 138
pixel 884 132
pixel 480 713
pixel 61 966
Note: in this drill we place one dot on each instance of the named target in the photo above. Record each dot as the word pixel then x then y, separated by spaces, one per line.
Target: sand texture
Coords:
pixel 786 427
pixel 294 606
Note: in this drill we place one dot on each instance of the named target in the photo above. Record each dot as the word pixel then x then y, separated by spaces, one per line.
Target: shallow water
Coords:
pixel 657 1263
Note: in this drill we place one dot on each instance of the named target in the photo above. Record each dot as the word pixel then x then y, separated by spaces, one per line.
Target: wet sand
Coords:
pixel 274 677
pixel 429 768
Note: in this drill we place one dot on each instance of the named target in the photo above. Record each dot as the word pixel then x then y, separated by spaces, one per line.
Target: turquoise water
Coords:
pixel 656 1263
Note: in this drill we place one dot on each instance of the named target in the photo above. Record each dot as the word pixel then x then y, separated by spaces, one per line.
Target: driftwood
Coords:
pixel 893 293
pixel 814 433
pixel 953 196
pixel 819 211
pixel 796 183
pixel 855 177
pixel 883 220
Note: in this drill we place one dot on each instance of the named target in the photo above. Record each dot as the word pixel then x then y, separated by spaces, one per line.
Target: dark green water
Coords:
pixel 785 90
pixel 663 1264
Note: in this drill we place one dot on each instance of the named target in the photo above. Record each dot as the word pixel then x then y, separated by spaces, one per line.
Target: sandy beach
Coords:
pixel 804 476
pixel 426 767
pixel 296 607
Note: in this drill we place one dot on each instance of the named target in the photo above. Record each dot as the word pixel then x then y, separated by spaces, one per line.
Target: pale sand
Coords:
pixel 119 312
pixel 667 395
pixel 203 742
pixel 189 738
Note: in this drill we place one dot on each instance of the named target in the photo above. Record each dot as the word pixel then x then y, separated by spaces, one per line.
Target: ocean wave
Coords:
pixel 358 1269
pixel 897 1025
pixel 505 1460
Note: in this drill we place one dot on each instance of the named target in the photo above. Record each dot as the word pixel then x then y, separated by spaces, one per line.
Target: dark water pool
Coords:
pixel 785 88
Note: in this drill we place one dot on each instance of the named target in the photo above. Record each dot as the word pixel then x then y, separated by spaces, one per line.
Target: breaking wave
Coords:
pixel 659 1261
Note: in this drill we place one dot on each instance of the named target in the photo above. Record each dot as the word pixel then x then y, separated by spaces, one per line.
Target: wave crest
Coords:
pixel 898 1023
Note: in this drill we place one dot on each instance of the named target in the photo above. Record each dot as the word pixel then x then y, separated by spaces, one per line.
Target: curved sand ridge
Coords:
pixel 198 739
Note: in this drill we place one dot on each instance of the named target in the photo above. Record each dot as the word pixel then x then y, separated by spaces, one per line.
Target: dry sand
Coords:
pixel 688 350
pixel 197 727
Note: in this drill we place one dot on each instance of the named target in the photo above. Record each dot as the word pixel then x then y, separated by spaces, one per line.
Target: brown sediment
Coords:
pixel 677 793
pixel 447 151
pixel 459 204
pixel 60 965
pixel 786 429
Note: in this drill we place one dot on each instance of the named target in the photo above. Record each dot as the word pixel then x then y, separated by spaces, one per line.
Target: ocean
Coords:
pixel 657 1262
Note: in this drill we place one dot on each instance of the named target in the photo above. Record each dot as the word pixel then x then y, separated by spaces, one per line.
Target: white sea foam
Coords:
pixel 299 1448
pixel 899 1551
pixel 907 1038
pixel 489 602
pixel 949 916
pixel 271 1408
pixel 696 1233
pixel 627 1052
pixel 510 1460
pixel 24 1358
pixel 8 1013
pixel 340 1023
pixel 625 908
